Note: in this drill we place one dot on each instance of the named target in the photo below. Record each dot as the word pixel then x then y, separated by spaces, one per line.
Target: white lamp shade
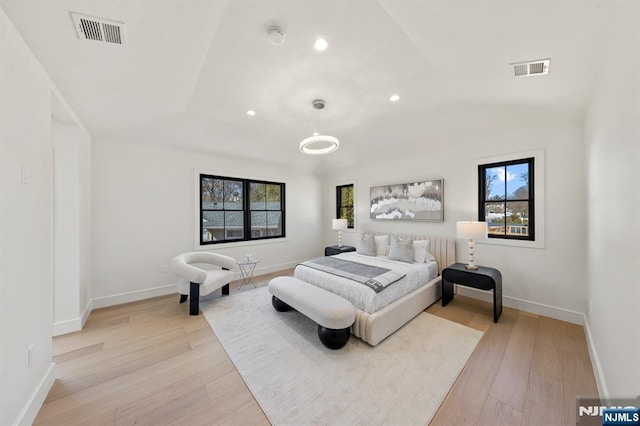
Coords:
pixel 471 230
pixel 339 224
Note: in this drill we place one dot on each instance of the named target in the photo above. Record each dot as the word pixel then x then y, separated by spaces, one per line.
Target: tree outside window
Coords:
pixel 344 204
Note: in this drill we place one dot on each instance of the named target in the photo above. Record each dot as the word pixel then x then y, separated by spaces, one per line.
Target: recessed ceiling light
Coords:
pixel 315 133
pixel 320 45
pixel 394 98
pixel 251 112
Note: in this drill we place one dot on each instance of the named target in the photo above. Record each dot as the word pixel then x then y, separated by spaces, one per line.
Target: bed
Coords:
pixel 378 315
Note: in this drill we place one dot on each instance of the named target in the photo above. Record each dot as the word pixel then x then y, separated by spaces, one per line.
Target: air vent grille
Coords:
pixel 519 70
pixel 523 69
pixel 90 28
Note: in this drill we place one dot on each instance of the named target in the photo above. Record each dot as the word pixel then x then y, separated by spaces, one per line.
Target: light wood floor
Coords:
pixel 149 362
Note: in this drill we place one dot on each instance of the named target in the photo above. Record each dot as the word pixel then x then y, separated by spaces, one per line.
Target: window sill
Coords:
pixel 538 244
pixel 199 247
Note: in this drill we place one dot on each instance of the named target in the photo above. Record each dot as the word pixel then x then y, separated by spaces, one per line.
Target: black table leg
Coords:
pixel 447 292
pixel 497 304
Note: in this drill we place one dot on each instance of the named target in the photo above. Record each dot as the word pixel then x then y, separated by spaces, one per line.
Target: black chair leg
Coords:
pixel 183 298
pixel 225 288
pixel 194 299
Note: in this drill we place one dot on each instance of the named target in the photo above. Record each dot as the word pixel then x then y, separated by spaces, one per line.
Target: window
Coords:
pixel 506 199
pixel 234 209
pixel 344 203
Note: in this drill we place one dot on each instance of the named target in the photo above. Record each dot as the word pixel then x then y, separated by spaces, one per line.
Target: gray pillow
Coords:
pixel 366 245
pixel 401 250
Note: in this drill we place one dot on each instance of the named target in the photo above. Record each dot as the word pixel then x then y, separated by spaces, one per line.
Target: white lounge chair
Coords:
pixel 195 280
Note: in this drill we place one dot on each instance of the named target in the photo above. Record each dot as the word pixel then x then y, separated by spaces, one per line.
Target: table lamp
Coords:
pixel 339 225
pixel 472 231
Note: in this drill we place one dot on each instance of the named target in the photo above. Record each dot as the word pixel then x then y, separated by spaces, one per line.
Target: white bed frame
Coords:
pixel 374 328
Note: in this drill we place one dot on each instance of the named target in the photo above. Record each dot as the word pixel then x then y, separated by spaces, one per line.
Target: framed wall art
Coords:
pixel 408 201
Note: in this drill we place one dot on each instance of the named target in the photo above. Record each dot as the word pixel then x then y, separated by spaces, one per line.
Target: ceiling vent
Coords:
pixel 524 69
pixel 90 28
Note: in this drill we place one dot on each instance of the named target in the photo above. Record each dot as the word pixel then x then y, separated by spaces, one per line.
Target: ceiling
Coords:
pixel 192 68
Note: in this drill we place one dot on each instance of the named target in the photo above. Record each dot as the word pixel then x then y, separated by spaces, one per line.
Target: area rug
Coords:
pixel 297 381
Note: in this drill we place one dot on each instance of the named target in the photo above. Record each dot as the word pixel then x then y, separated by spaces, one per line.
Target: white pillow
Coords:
pixel 366 245
pixel 430 258
pixel 420 250
pixel 382 245
pixel 401 250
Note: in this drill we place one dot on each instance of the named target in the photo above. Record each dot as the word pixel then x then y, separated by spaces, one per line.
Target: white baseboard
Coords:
pixel 85 314
pixel 270 269
pixel 595 361
pixel 525 305
pixel 68 326
pixel 132 296
pixel 33 405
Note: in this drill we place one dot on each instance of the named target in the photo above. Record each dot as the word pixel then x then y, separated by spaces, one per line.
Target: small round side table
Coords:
pixel 247 267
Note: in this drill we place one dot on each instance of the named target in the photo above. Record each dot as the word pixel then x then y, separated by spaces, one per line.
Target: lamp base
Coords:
pixel 471 267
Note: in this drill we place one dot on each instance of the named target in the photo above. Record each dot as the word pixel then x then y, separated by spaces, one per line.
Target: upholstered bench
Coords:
pixel 333 314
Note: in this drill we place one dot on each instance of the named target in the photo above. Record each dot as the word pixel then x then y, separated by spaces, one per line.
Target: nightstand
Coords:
pixel 482 278
pixel 331 250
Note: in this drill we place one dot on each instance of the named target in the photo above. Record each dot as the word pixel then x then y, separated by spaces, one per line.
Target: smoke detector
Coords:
pixel 530 68
pixel 98 29
pixel 275 35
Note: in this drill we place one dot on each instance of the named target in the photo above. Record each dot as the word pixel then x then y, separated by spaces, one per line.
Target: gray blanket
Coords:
pixel 372 276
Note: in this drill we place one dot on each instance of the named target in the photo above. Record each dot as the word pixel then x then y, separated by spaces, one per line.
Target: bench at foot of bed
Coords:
pixel 333 314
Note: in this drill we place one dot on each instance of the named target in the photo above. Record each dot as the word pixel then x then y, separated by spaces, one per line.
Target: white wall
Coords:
pixel 28 102
pixel 613 135
pixel 84 191
pixel 25 228
pixel 71 188
pixel 143 215
pixel 549 281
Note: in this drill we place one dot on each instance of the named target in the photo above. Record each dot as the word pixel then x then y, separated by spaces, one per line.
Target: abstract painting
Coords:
pixel 408 201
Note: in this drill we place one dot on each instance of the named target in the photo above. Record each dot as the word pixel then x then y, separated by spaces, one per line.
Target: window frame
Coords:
pixel 539 198
pixel 340 206
pixel 530 200
pixel 246 210
pixel 266 210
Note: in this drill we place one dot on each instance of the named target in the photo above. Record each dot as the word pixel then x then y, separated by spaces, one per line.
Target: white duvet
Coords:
pixel 363 297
